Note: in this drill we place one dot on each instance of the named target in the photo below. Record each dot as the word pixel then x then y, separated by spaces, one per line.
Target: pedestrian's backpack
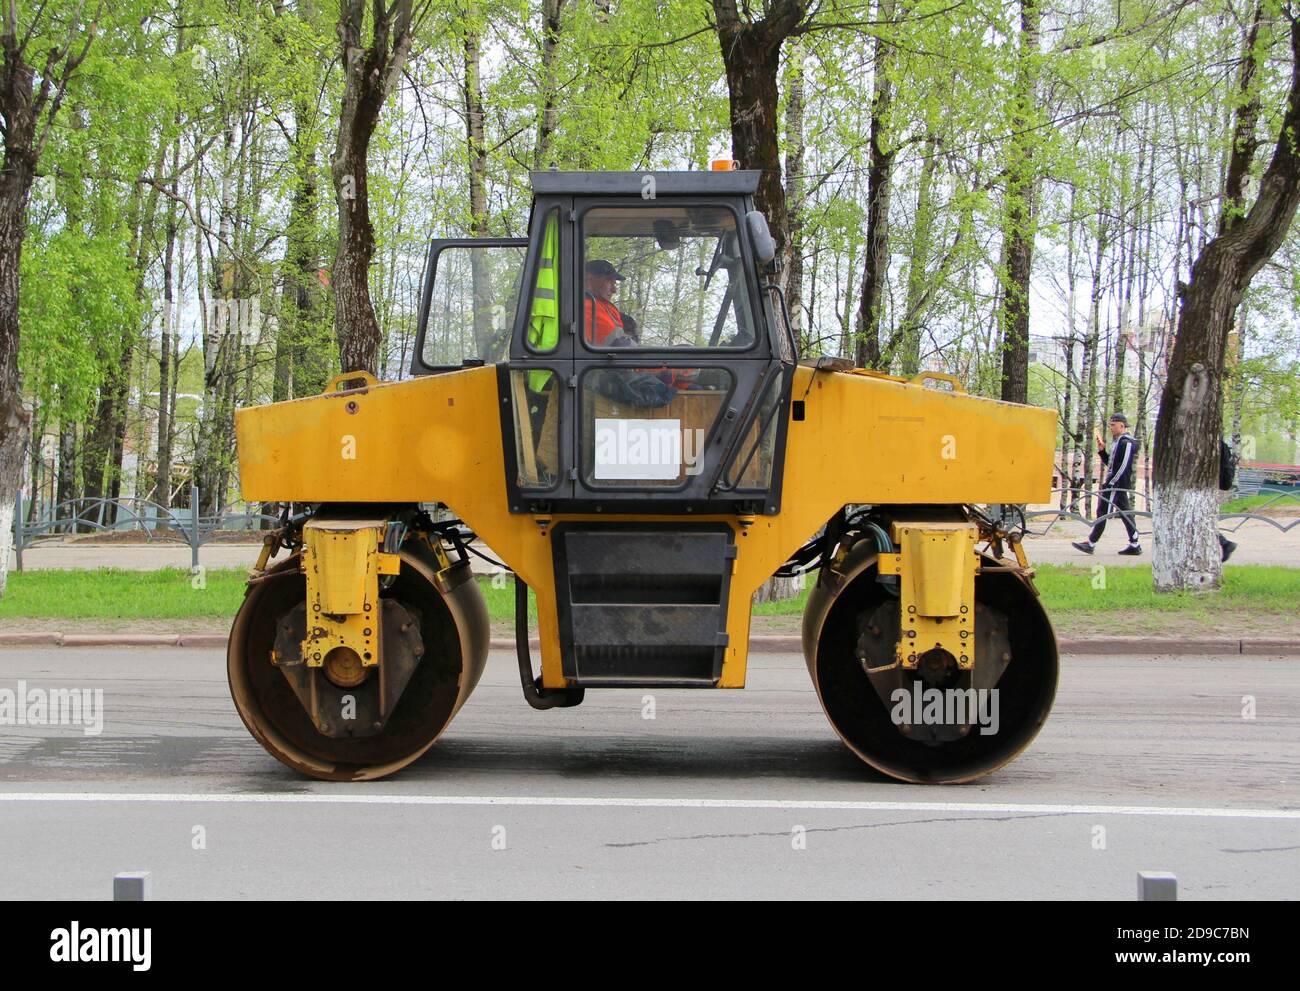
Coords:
pixel 1227 465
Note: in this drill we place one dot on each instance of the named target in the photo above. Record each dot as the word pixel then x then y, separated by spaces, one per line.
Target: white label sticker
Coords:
pixel 638 450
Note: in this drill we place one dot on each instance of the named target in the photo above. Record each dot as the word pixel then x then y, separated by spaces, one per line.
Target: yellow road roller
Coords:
pixel 614 411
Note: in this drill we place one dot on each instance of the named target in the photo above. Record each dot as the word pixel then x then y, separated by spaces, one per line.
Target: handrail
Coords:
pixel 920 378
pixel 364 376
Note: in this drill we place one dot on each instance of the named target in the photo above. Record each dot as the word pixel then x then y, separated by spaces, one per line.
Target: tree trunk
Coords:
pixel 65 488
pixel 1067 418
pixel 370 73
pixel 15 421
pixel 481 288
pixel 302 346
pixel 1068 439
pixel 1129 277
pixel 22 106
pixel 170 325
pixel 1018 230
pixel 751 54
pixel 309 363
pixel 794 194
pixel 1190 424
pixel 880 167
pixel 100 447
pixel 1239 379
pixel 1087 450
pixel 552 10
pixel 909 329
pixel 217 340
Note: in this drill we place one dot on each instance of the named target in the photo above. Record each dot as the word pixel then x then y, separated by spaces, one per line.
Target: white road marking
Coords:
pixel 310 798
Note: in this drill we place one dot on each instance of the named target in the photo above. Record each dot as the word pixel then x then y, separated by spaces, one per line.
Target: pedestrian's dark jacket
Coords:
pixel 1119 462
pixel 1227 465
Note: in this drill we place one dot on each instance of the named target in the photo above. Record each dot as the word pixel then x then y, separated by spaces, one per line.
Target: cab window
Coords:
pixel 471 303
pixel 663 277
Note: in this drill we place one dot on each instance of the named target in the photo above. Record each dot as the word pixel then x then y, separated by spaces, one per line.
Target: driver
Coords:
pixel 604 324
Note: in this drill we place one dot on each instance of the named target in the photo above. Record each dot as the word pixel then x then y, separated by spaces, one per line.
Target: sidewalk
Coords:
pixel 1257 543
pixel 80 555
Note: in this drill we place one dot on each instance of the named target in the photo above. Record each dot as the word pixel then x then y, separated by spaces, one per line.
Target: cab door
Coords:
pixel 468 298
pixel 680 376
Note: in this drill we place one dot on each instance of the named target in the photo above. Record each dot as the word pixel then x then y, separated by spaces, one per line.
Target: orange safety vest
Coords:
pixel 605 318
pixel 600 319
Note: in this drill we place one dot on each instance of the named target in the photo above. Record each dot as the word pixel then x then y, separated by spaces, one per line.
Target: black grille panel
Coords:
pixel 643 604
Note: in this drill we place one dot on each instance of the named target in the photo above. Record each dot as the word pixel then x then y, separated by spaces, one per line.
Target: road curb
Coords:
pixel 204 640
pixel 119 640
pixel 31 639
pixel 763 644
pixel 1151 645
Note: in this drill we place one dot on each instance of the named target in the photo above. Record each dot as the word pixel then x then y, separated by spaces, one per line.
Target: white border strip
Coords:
pixel 313 798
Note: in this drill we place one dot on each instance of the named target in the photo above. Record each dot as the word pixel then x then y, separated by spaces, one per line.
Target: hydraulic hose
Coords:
pixel 536 696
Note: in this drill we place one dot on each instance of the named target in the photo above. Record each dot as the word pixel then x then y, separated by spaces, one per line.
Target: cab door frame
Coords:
pixel 436 247
pixel 558 361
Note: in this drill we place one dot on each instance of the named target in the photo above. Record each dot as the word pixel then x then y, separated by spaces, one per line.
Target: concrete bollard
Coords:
pixel 131 886
pixel 1157 886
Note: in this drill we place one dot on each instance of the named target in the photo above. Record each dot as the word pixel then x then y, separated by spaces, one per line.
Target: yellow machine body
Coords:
pixel 436 439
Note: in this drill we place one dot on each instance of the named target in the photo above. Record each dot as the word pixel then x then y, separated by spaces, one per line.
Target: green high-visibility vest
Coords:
pixel 544 317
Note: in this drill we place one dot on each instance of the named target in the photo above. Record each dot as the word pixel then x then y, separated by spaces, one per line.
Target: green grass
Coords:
pixel 1247 503
pixel 111 593
pixel 501 600
pixel 1069 588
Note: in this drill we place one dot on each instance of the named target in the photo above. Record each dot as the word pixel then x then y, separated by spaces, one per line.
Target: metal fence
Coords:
pixel 1279 496
pixel 158 523
pixel 169 525
pixel 1254 479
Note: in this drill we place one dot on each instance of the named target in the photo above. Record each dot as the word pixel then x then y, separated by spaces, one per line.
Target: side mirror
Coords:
pixel 760 237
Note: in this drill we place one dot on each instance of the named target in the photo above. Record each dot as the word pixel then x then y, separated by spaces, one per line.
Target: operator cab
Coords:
pixel 644 356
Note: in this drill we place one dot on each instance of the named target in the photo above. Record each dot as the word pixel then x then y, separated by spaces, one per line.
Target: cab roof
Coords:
pixel 742 183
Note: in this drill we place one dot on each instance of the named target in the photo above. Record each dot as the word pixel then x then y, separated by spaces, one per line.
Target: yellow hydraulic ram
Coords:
pixel 343 561
pixel 936 565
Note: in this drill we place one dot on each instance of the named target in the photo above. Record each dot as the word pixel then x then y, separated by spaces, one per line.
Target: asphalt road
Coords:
pixel 1146 764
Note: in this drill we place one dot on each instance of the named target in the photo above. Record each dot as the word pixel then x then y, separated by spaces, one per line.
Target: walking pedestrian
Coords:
pixel 1114 495
pixel 1227 473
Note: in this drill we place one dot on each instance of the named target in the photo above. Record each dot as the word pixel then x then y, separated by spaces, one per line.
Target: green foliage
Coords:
pixel 1114 127
pixel 76 291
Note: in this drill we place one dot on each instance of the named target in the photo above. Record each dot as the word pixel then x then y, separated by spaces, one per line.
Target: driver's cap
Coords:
pixel 598 266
